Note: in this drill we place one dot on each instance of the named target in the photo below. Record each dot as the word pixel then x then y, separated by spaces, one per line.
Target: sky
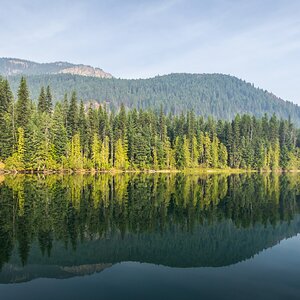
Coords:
pixel 257 41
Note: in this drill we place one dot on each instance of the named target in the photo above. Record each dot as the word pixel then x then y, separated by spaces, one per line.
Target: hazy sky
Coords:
pixel 256 40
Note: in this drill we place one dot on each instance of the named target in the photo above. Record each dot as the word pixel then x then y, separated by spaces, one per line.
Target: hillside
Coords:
pixel 221 96
pixel 15 66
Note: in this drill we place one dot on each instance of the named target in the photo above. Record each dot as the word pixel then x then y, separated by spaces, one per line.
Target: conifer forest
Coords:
pixel 69 135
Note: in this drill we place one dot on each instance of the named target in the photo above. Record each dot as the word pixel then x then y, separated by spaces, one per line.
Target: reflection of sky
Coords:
pixel 272 274
pixel 258 41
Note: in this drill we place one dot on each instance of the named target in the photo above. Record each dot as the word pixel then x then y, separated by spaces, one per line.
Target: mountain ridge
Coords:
pixel 10 66
pixel 218 95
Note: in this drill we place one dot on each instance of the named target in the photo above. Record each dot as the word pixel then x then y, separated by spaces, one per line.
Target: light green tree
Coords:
pixel 121 159
pixel 223 156
pixel 215 152
pixel 75 159
pixel 16 162
pixel 104 155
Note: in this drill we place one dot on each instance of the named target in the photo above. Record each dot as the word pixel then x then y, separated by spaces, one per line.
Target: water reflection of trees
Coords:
pixel 78 208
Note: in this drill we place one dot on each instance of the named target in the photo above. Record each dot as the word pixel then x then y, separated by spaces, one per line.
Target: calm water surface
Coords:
pixel 159 236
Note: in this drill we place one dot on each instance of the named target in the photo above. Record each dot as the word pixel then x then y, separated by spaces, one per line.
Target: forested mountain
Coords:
pixel 15 66
pixel 218 95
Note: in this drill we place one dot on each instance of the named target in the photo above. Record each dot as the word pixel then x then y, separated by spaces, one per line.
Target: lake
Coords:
pixel 150 236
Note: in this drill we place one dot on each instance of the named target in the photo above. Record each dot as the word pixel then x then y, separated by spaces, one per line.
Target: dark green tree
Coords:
pixel 23 105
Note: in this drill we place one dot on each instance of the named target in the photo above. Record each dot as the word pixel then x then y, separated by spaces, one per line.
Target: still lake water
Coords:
pixel 159 236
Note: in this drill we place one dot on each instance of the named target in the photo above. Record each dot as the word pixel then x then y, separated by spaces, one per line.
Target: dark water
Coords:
pixel 157 236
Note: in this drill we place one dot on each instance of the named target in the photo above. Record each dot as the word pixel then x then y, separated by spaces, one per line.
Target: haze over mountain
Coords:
pixel 221 96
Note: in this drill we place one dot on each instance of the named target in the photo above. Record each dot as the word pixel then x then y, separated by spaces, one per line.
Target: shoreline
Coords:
pixel 188 171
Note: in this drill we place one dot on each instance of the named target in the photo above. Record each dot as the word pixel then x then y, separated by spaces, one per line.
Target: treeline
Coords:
pixel 40 136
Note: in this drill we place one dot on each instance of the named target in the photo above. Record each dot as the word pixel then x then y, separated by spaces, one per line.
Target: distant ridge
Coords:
pixel 218 95
pixel 16 66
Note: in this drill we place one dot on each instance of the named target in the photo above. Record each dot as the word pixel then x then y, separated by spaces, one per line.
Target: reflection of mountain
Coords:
pixel 209 245
pixel 15 274
pixel 173 220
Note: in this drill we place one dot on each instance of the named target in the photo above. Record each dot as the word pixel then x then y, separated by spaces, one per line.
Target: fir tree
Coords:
pixel 96 155
pixel 104 155
pixel 82 127
pixel 72 117
pixel 186 153
pixel 75 159
pixel 121 160
pixel 58 133
pixel 223 156
pixel 207 158
pixel 49 104
pixel 23 105
pixel 7 121
pixel 42 104
pixel 215 153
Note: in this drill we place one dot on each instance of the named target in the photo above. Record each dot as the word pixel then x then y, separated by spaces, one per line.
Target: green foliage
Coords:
pixel 222 156
pixel 96 155
pixel 23 105
pixel 76 138
pixel 72 116
pixel 42 104
pixel 16 162
pixel 58 132
pixel 49 104
pixel 75 159
pixel 215 153
pixel 217 95
pixel 104 154
pixel 7 120
pixel 121 159
pixel 207 158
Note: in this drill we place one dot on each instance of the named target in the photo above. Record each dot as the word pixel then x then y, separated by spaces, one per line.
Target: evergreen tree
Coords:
pixel 275 155
pixel 21 146
pixel 40 150
pixel 207 158
pixel 222 156
pixel 186 153
pixel 72 117
pixel 23 105
pixel 7 121
pixel 215 152
pixel 195 152
pixel 65 110
pixel 121 159
pixel 75 159
pixel 16 162
pixel 179 156
pixel 42 103
pixel 59 137
pixel 96 155
pixel 104 162
pixel 82 127
pixel 49 104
